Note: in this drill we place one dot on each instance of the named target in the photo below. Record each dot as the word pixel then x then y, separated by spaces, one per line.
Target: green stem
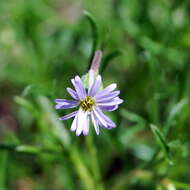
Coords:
pixel 81 169
pixel 94 162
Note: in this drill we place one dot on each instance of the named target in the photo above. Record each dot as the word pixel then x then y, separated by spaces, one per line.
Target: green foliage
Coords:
pixel 145 44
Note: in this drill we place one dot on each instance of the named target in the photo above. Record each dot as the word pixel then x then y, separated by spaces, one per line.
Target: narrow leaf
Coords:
pixel 133 117
pixel 161 140
pixel 55 125
pixel 95 35
pixel 108 58
pixel 174 113
pixel 26 104
pixel 28 149
pixel 27 90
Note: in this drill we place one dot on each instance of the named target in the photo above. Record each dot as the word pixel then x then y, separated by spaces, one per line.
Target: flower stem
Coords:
pixel 81 169
pixel 95 164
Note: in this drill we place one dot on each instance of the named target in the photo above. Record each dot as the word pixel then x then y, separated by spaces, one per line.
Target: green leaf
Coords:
pixel 55 124
pixel 133 117
pixel 137 125
pixel 27 90
pixel 95 35
pixel 181 185
pixel 175 144
pixel 108 58
pixel 174 113
pixel 161 140
pixel 28 149
pixel 26 104
pixel 176 110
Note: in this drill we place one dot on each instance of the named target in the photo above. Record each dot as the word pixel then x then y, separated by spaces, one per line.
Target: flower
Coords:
pixel 92 102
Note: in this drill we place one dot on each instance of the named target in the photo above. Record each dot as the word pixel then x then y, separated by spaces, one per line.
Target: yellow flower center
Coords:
pixel 87 103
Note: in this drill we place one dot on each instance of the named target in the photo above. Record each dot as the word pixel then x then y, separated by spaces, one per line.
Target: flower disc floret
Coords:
pixel 87 104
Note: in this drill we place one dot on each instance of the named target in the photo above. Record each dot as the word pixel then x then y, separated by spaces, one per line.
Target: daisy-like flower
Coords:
pixel 92 102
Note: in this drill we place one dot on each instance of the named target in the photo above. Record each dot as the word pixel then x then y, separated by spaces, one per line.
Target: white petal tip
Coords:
pixel 91 71
pixel 99 77
pixel 121 101
pixel 78 133
pixel 114 85
pixel 77 77
pixel 73 81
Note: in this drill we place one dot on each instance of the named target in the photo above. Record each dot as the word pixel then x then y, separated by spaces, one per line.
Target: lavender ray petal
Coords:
pixel 59 100
pixel 114 102
pixel 64 101
pixel 99 118
pixel 95 123
pixel 73 93
pixel 80 85
pixel 86 126
pixel 91 79
pixel 74 123
pixel 95 87
pixel 110 123
pixel 64 104
pixel 107 97
pixel 81 121
pixel 68 116
pixel 108 127
pixel 108 108
pixel 59 106
pixel 106 90
pixel 77 83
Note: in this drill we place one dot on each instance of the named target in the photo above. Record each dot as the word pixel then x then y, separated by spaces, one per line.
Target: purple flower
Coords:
pixel 92 102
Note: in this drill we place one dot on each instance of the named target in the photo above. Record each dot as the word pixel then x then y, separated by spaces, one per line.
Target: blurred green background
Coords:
pixel 146 47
